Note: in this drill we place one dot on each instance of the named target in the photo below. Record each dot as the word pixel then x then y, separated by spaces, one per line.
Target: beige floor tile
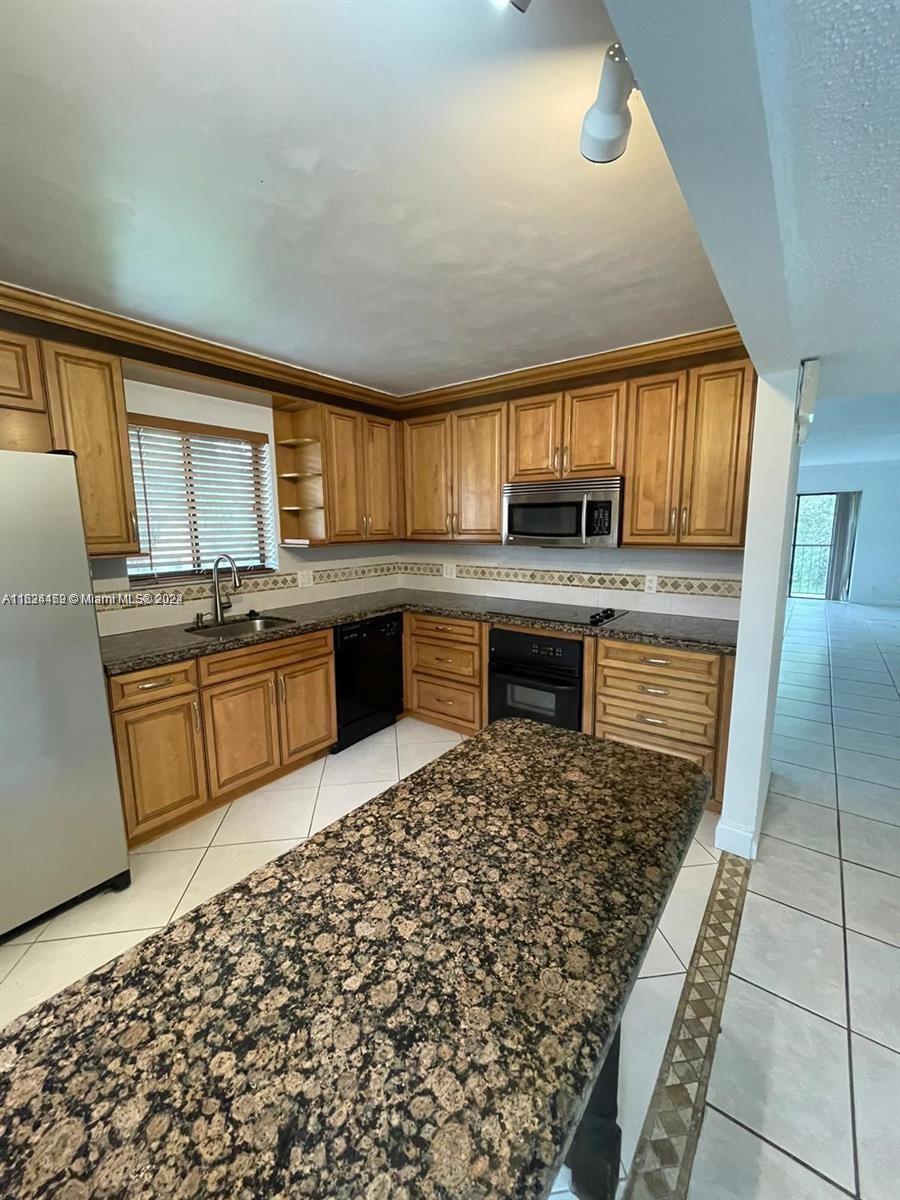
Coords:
pixel 706 833
pixel 411 729
pixel 336 801
pixel 660 959
pixel 871 800
pixel 417 754
pixel 196 835
pixel 801 727
pixel 876 1087
pixel 268 817
pixel 361 764
pixel 794 875
pixel 47 967
pixel 9 956
pixel 681 919
pixel 810 825
pixel 802 753
pixel 309 776
pixel 157 882
pixel 871 843
pixel 803 783
pixel 874 974
pixel 223 866
pixel 872 902
pixel 24 937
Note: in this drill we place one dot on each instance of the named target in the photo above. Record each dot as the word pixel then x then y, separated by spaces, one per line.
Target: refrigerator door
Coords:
pixel 61 826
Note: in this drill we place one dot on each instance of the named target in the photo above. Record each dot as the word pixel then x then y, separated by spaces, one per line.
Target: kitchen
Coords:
pixel 403 791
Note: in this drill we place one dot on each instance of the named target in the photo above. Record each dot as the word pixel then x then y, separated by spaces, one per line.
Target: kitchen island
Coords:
pixel 416 1003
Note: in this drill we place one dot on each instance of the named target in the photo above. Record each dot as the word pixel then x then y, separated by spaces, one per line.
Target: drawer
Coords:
pixel 156 683
pixel 452 702
pixel 658 660
pixel 702 756
pixel 665 724
pixel 659 695
pixel 233 663
pixel 439 658
pixel 445 627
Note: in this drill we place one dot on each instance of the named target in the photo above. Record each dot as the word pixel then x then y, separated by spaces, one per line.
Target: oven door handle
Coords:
pixel 527 677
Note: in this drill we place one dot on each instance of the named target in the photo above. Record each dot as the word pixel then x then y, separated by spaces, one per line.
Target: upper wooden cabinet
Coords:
pixel 567 435
pixel 21 385
pixel 716 455
pixel 87 415
pixel 688 457
pixel 427 461
pixel 478 438
pixel 362 474
pixel 454 475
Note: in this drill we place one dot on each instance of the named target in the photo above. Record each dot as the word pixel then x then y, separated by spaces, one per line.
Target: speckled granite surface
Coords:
pixel 411 1006
pixel 123 652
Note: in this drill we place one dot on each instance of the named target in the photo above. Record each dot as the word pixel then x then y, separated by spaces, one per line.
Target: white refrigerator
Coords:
pixel 61 826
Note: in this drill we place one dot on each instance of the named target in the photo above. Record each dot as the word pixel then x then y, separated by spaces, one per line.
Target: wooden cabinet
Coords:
pixel 306 710
pixel 455 467
pixel 427 462
pixel 240 720
pixel 21 385
pixel 87 415
pixel 159 750
pixel 478 439
pixel 445 670
pixel 716 455
pixel 362 474
pixel 688 457
pixel 382 494
pixel 654 444
pixel 568 435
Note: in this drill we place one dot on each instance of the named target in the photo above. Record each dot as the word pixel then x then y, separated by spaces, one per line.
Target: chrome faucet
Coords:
pixel 221 606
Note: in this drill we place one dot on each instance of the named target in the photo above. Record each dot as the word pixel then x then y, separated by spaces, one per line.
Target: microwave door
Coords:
pixel 546 521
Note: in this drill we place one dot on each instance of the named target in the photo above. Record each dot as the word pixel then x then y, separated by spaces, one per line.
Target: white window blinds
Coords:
pixel 200 494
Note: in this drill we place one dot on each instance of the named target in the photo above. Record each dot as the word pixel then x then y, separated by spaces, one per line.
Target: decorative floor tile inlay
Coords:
pixel 661 1168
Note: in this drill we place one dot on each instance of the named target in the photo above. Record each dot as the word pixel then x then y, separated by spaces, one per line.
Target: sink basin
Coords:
pixel 238 627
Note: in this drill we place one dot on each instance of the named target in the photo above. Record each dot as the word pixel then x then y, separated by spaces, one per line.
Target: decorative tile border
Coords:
pixel 375 571
pixel 192 591
pixel 585 579
pixel 661 1167
pixel 683 585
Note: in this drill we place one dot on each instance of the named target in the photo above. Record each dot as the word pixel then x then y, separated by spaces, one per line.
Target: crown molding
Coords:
pixel 548 377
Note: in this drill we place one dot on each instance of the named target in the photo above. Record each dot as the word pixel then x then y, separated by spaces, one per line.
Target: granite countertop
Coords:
pixel 144 648
pixel 413 1005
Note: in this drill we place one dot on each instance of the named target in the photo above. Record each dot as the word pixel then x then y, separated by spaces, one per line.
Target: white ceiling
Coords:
pixel 866 430
pixel 385 190
pixel 782 122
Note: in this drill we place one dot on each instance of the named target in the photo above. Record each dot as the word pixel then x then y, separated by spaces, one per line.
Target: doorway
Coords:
pixel 822 550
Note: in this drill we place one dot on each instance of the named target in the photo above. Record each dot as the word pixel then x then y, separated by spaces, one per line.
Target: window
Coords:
pixel 200 491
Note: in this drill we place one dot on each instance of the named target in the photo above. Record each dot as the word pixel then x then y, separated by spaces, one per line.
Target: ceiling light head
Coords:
pixel 606 125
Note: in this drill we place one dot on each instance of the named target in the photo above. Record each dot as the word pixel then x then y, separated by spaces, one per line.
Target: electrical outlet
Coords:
pixel 304 578
pixel 449 570
pixel 650 583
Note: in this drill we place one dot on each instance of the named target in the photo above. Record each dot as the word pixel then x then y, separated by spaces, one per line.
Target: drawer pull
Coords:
pixel 655 662
pixel 445 628
pixel 155 683
pixel 441 700
pixel 437 658
pixel 653 691
pixel 651 720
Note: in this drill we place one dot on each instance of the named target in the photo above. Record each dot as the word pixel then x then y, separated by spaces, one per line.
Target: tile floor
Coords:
pixel 804 1096
pixel 184 868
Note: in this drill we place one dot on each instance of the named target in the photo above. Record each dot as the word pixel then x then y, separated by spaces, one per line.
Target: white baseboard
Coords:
pixel 737 839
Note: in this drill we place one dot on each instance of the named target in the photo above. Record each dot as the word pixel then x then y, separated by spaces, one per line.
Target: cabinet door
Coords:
pixel 654 443
pixel 87 415
pixel 479 462
pixel 535 438
pixel 594 440
pixel 159 748
pixel 241 724
pixel 21 385
pixel 306 712
pixel 716 455
pixel 427 466
pixel 382 507
pixel 345 475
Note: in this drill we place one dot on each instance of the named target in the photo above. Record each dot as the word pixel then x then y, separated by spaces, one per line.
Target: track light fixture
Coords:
pixel 604 131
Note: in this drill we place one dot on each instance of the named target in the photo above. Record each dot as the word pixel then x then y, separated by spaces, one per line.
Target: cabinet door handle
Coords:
pixel 651 720
pixel 456 522
pixel 272 689
pixel 684 515
pixel 655 662
pixel 155 683
pixel 282 687
pixel 196 708
pixel 449 522
pixel 565 459
pixel 556 460
pixel 652 691
pixel 134 528
pixel 672 516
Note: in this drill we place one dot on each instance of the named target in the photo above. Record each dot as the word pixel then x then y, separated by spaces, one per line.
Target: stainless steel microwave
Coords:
pixel 567 512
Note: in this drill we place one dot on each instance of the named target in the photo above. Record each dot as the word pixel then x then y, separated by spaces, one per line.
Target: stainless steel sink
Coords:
pixel 238 627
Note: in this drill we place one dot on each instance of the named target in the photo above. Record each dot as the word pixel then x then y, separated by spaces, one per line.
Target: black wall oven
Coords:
pixel 532 675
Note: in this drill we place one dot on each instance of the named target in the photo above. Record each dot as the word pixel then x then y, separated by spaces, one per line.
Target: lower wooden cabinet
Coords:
pixel 445 671
pixel 159 748
pixel 240 720
pixel 307 714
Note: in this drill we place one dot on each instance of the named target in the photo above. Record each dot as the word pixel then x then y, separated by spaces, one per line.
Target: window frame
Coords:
pixel 252 437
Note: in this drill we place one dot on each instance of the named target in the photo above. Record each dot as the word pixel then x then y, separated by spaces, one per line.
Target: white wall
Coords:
pixel 875 578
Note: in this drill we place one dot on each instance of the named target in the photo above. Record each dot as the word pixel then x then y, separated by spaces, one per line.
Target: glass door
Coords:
pixel 822 552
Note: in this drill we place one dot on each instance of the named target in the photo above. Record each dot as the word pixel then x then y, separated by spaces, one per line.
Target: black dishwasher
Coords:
pixel 369 673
